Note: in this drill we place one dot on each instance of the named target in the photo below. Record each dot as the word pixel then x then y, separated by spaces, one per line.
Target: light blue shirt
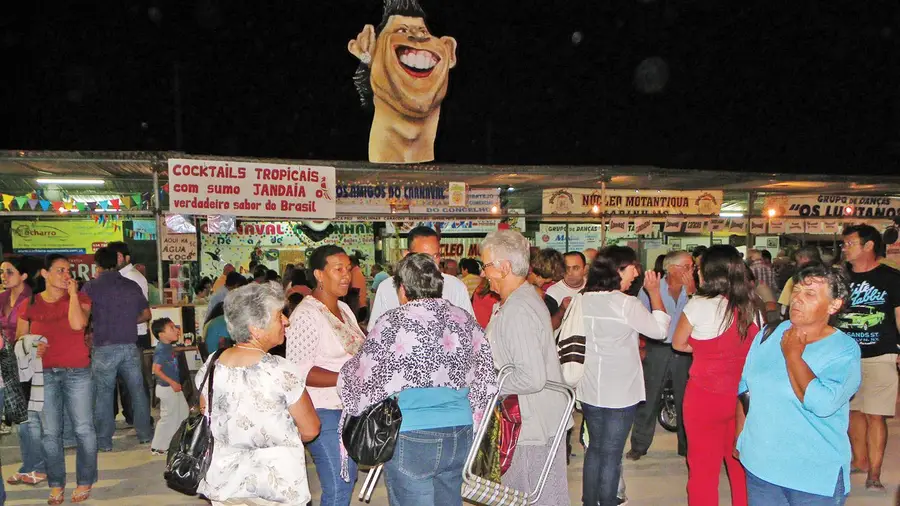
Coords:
pixel 673 307
pixel 800 445
pixel 381 276
pixel 434 408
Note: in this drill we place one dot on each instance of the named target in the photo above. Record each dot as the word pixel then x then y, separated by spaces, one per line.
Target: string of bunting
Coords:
pixel 33 201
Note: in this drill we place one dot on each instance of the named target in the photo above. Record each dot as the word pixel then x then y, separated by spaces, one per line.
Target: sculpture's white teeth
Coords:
pixel 418 59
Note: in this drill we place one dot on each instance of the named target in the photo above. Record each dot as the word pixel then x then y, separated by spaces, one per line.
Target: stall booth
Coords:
pixel 186 217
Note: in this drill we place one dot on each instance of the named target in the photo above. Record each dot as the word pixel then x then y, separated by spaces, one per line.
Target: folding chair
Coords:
pixel 486 492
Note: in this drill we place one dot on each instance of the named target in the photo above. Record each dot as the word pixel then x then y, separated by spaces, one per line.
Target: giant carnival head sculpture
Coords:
pixel 403 72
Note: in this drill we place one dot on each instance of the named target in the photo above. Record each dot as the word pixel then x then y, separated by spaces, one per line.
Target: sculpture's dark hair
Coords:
pixel 361 78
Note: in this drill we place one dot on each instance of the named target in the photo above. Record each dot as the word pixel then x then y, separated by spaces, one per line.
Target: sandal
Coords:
pixel 58 497
pixel 32 478
pixel 81 495
pixel 874 485
pixel 15 479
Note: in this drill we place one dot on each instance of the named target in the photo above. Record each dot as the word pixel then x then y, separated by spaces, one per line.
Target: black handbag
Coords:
pixel 15 404
pixel 191 448
pixel 370 438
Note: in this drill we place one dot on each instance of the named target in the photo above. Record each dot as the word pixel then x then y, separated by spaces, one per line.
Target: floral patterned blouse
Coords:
pixel 423 344
pixel 316 337
pixel 258 453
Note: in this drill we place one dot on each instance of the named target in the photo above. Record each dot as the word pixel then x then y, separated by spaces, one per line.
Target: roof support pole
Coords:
pixel 157 213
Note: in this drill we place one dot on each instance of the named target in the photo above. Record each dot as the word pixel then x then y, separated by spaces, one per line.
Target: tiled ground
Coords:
pixel 130 476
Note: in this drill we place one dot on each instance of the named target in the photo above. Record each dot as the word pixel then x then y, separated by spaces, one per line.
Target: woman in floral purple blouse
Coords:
pixel 435 358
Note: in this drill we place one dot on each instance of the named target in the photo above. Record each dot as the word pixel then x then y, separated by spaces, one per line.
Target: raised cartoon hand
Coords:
pixel 363 45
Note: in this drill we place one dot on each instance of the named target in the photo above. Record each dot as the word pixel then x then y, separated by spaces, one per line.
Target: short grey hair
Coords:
pixel 251 306
pixel 511 246
pixel 674 256
pixel 419 276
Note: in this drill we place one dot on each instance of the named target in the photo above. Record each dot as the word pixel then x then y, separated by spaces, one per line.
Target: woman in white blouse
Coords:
pixel 324 335
pixel 613 381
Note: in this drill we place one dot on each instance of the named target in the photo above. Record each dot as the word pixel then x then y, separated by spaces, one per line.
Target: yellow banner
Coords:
pixel 62 236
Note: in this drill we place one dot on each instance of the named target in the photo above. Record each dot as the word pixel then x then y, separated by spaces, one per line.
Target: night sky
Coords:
pixel 773 86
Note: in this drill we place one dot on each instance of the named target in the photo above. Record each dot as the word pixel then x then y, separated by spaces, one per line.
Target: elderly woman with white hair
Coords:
pixel 260 412
pixel 521 334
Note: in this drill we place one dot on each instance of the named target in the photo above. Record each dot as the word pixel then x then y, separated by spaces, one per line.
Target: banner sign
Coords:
pixel 414 199
pixel 457 194
pixel 757 226
pixel 737 225
pixel 251 189
pixel 673 225
pixel 582 200
pixel 717 224
pixel 618 225
pixel 777 226
pixel 457 248
pixel 273 243
pixel 178 247
pixel 71 236
pixel 643 226
pixel 794 226
pixel 833 226
pixel 694 226
pixel 454 227
pixel 834 205
pixel 813 226
pixel 580 237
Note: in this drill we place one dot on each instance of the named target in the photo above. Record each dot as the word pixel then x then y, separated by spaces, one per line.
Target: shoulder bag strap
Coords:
pixel 210 373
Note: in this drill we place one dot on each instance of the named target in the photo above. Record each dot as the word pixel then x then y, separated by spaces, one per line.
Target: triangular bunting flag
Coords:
pixel 68 206
pixel 7 200
pixel 32 203
pixel 21 202
pixel 45 204
pixel 81 206
pixel 57 206
pixel 104 204
pixel 137 199
pixel 115 204
pixel 126 200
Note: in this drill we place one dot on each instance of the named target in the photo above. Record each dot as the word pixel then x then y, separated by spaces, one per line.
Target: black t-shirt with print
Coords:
pixel 870 317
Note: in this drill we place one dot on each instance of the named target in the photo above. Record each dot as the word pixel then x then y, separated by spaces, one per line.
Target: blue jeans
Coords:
pixel 763 493
pixel 107 362
pixel 70 389
pixel 326 453
pixel 427 467
pixel 608 428
pixel 31 445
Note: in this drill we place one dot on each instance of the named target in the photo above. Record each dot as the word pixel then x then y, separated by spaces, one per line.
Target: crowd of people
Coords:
pixel 815 342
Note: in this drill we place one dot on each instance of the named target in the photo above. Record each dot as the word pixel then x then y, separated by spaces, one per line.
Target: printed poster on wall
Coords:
pixel 832 226
pixel 581 200
pixel 813 226
pixel 69 236
pixel 717 224
pixel 251 189
pixel 834 206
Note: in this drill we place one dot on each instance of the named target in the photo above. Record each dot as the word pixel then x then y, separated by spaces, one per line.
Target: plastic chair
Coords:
pixel 483 491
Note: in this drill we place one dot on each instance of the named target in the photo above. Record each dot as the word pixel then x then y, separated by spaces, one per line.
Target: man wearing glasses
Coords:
pixel 420 240
pixel 872 319
pixel 676 288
